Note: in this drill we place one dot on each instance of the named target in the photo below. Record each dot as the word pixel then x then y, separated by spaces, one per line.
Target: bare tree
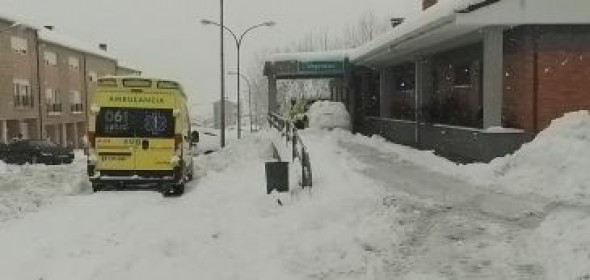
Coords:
pixel 367 28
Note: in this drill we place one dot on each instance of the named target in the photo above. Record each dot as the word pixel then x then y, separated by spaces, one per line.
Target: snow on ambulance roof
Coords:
pixel 335 55
pixel 449 19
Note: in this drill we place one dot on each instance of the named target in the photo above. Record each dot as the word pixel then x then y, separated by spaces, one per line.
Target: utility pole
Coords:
pixel 222 77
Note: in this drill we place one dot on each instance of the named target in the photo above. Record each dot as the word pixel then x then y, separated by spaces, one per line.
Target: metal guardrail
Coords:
pixel 299 150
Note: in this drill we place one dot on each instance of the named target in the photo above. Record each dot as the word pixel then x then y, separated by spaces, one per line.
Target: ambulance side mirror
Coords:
pixel 194 137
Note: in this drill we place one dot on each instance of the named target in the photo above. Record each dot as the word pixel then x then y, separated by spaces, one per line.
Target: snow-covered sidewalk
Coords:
pixel 225 227
pixel 377 211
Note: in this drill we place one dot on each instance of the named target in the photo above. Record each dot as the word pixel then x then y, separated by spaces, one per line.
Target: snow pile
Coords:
pixel 224 227
pixel 553 165
pixel 327 114
pixel 26 188
pixel 562 245
pixel 402 153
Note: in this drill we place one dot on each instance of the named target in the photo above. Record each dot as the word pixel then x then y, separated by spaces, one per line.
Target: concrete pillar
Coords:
pixel 23 127
pixel 273 106
pixel 419 81
pixel 493 75
pixel 365 89
pixel 76 136
pixel 4 128
pixel 64 134
pixel 386 91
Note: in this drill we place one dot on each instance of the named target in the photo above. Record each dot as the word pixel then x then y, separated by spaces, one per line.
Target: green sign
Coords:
pixel 321 67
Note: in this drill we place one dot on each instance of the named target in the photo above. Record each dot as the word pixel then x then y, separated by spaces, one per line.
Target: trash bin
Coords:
pixel 277 176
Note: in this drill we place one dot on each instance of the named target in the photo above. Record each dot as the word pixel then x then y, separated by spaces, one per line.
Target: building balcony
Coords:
pixel 76 108
pixel 54 109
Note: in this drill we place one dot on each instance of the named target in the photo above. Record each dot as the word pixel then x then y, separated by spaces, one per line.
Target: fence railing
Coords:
pixel 298 149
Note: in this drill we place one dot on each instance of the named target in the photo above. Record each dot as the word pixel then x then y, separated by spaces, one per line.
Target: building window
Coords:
pixel 75 101
pixel 462 75
pixel 74 63
pixel 403 101
pixel 53 101
pixel 50 58
pixel 92 76
pixel 457 98
pixel 19 45
pixel 22 97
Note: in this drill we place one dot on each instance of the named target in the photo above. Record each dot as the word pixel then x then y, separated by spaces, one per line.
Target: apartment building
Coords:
pixel 46 80
pixel 126 70
pixel 19 86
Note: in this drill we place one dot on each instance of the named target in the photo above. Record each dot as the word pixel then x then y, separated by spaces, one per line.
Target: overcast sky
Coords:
pixel 165 38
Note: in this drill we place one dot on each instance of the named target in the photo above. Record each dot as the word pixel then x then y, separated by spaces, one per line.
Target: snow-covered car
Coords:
pixel 37 151
pixel 328 115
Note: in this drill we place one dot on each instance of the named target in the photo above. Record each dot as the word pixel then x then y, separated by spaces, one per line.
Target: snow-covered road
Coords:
pixel 372 214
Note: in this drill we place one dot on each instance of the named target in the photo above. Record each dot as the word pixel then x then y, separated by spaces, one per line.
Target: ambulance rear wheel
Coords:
pixel 174 190
pixel 96 187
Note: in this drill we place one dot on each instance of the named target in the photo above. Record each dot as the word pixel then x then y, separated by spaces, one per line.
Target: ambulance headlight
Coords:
pixel 94 109
pixel 92 158
pixel 174 160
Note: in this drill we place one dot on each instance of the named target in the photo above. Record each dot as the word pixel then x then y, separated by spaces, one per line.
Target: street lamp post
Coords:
pixel 249 94
pixel 238 41
pixel 222 109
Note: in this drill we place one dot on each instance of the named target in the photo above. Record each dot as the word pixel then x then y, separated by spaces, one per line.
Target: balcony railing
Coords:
pixel 76 108
pixel 55 108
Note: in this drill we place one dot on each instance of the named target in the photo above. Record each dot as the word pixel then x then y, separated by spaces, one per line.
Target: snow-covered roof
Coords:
pixel 16 18
pixel 54 37
pixel 449 19
pixel 128 66
pixel 335 55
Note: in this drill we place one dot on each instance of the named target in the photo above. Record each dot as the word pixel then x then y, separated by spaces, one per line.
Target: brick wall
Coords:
pixel 564 72
pixel 518 109
pixel 560 67
pixel 17 66
pixel 61 77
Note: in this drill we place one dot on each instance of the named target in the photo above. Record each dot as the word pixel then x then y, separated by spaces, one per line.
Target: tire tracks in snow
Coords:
pixel 450 228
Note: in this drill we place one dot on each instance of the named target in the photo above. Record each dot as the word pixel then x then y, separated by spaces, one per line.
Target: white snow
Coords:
pixel 334 55
pixel 443 22
pixel 350 226
pixel 225 227
pixel 328 114
pixel 442 12
pixel 26 188
pixel 55 37
pixel 554 165
pixel 562 244
pixel 499 129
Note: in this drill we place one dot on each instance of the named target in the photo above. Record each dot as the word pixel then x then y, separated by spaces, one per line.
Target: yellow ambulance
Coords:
pixel 139 135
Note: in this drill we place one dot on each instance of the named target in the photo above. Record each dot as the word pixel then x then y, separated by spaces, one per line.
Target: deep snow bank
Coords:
pixel 328 114
pixel 26 188
pixel 555 164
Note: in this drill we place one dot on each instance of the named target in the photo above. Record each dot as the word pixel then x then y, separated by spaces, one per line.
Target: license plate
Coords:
pixel 113 158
